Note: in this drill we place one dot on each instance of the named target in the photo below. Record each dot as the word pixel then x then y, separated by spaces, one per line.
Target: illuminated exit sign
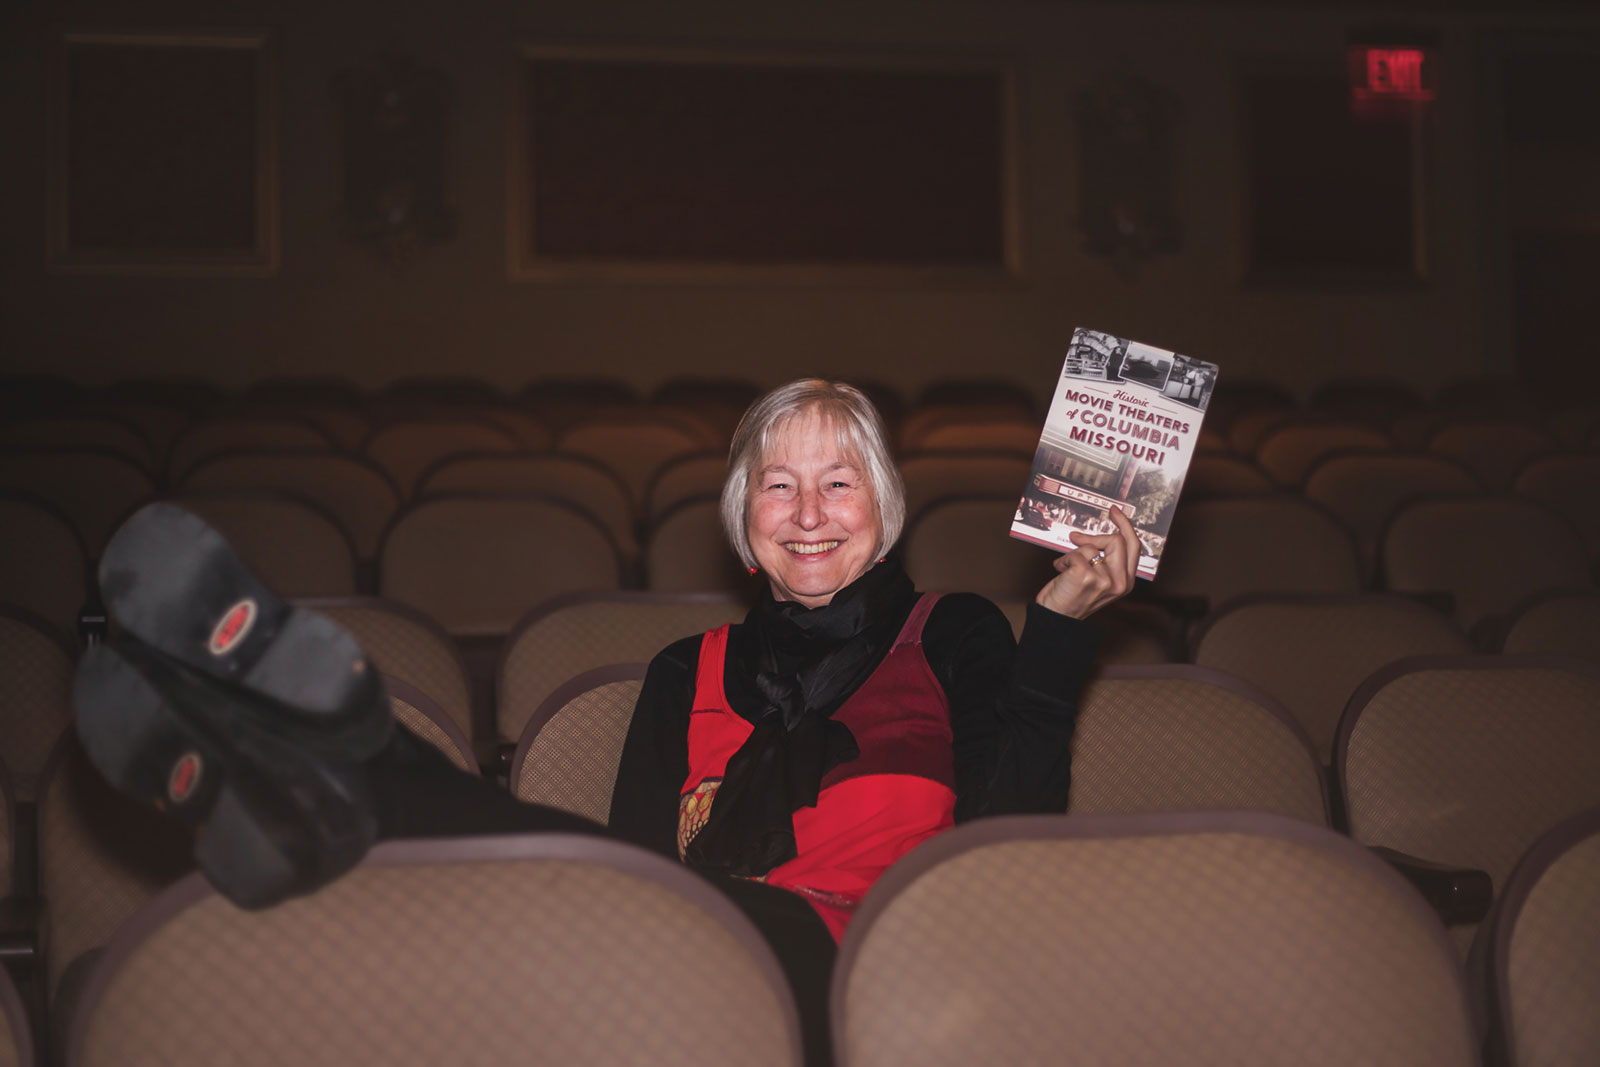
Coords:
pixel 1390 73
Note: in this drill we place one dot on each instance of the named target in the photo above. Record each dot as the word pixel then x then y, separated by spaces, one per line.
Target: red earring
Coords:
pixel 752 570
pixel 883 559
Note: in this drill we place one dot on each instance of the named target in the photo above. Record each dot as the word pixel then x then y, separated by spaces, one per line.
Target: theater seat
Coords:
pixel 1311 651
pixel 1181 738
pixel 569 750
pixel 1542 949
pixel 569 635
pixel 536 949
pixel 1219 938
pixel 1466 760
pixel 35 695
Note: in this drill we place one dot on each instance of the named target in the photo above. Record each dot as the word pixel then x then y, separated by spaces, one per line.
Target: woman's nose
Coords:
pixel 808 510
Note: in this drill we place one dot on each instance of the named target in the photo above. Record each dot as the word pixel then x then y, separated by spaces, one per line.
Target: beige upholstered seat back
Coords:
pixel 1181 738
pixel 1225 475
pixel 960 544
pixel 35 696
pixel 539 949
pixel 1492 450
pixel 407 449
pixel 352 490
pixel 1221 549
pixel 686 551
pixel 931 475
pixel 210 438
pixel 694 474
pixel 101 856
pixel 291 544
pixel 1568 484
pixel 1558 624
pixel 93 488
pixel 577 479
pixel 421 714
pixel 475 563
pixel 96 430
pixel 42 565
pixel 405 644
pixel 16 1039
pixel 635 450
pixel 570 635
pixel 1441 545
pixel 1363 490
pixel 1130 633
pixel 1311 652
pixel 570 749
pixel 1465 761
pixel 1019 436
pixel 1290 450
pixel 1545 950
pixel 1239 939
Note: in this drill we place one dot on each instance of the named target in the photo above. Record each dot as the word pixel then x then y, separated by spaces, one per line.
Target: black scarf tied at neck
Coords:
pixel 803 663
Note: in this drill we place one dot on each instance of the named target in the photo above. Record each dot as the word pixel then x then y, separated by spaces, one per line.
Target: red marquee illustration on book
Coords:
pixel 1120 433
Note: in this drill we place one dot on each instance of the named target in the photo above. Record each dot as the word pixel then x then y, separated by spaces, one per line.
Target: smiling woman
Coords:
pixel 790 758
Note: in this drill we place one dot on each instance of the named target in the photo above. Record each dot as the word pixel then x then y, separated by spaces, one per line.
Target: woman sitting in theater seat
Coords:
pixel 790 758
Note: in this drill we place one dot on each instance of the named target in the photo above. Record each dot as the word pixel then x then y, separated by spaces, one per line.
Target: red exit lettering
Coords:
pixel 1392 73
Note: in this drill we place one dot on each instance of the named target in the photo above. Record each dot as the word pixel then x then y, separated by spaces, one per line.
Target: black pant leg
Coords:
pixel 805 949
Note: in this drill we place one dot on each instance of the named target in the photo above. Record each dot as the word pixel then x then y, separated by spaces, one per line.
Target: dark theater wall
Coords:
pixel 331 306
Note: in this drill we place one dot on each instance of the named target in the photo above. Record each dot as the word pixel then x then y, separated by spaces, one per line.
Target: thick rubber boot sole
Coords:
pixel 273 819
pixel 176 585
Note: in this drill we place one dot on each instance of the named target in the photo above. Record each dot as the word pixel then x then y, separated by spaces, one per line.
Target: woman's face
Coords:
pixel 813 518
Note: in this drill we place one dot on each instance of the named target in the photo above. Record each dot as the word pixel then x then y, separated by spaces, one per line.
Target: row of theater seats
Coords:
pixel 475 561
pixel 1321 502
pixel 1236 938
pixel 1455 760
pixel 1308 653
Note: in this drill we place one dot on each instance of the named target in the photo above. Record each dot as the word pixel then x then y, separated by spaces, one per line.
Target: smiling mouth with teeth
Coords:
pixel 800 548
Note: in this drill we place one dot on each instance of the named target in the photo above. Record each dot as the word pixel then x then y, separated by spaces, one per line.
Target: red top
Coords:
pixel 870 811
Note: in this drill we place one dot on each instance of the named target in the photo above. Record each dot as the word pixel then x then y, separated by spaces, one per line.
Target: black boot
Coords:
pixel 249 720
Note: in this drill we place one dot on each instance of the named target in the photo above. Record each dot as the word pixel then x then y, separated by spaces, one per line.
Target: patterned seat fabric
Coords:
pixel 35 696
pixel 1235 938
pixel 1311 652
pixel 1557 624
pixel 475 563
pixel 563 949
pixel 101 856
pixel 1543 944
pixel 43 569
pixel 407 645
pixel 294 547
pixel 571 747
pixel 571 635
pixel 1440 545
pixel 1467 760
pixel 1181 738
pixel 407 450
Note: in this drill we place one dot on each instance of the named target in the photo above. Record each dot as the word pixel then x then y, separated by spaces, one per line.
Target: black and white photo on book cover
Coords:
pixel 1120 433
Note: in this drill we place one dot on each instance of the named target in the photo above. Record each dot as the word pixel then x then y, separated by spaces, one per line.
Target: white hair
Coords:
pixel 860 435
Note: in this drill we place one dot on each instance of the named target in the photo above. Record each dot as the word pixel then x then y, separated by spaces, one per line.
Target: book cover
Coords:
pixel 1121 430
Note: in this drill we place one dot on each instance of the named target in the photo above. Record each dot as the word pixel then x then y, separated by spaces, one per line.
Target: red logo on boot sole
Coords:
pixel 185 777
pixel 233 627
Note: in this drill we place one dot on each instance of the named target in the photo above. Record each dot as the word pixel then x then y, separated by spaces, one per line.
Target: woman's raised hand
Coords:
pixel 1098 571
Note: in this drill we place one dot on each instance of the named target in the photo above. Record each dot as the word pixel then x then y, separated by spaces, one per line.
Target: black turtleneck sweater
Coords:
pixel 1013 707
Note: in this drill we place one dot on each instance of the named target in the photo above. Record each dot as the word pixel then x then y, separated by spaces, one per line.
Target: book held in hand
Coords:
pixel 1120 433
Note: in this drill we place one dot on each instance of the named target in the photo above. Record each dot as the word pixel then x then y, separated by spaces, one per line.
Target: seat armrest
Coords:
pixel 1460 895
pixel 19 934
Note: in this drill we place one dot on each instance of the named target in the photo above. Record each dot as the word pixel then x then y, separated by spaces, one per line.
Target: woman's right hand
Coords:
pixel 1100 570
